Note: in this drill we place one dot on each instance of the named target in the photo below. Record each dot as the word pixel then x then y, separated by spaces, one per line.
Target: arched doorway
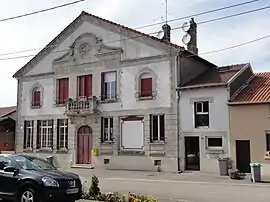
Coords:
pixel 84 145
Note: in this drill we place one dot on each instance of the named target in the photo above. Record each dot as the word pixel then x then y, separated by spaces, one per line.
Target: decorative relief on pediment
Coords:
pixel 87 48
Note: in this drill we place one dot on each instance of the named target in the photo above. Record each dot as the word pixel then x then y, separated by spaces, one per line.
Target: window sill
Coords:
pixel 107 101
pixel 59 105
pixel 28 150
pixel 157 143
pixel 214 150
pixel 107 142
pixel 202 127
pixel 44 150
pixel 267 157
pixel 62 150
pixel 145 98
pixel 35 107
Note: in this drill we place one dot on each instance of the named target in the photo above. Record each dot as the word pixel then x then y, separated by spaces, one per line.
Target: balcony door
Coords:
pixel 84 145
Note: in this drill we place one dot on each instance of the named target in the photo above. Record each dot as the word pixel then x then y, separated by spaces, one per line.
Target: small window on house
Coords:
pixel 146 85
pixel 268 142
pixel 84 86
pixel 36 97
pixel 45 134
pixel 107 129
pixel 62 90
pixel 201 114
pixel 28 134
pixel 108 86
pixel 62 134
pixel 214 142
pixel 157 128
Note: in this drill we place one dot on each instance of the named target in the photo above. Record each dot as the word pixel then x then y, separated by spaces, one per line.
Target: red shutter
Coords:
pixel 146 87
pixel 81 86
pixel 60 91
pixel 36 98
pixel 66 89
pixel 102 86
pixel 88 85
pixel 63 88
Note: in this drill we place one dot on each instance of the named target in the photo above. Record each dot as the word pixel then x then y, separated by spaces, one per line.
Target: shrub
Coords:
pixel 94 189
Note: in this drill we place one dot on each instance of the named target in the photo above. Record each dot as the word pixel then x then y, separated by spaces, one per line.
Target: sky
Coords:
pixel 36 31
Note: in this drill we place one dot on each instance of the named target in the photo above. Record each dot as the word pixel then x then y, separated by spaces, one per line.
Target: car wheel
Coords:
pixel 28 195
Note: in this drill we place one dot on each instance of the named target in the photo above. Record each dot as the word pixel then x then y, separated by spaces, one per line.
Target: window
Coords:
pixel 146 86
pixel 201 110
pixel 5 162
pixel 214 142
pixel 45 134
pixel 157 128
pixel 62 133
pixel 28 134
pixel 62 90
pixel 268 142
pixel 85 86
pixel 36 97
pixel 108 85
pixel 106 129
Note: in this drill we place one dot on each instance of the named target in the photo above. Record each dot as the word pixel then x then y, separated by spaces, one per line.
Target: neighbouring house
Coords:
pixel 101 94
pixel 204 116
pixel 7 128
pixel 249 113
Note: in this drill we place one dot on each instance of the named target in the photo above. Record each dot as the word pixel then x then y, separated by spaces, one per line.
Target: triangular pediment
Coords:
pixel 149 44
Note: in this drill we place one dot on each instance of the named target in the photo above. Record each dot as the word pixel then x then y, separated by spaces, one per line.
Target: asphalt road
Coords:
pixel 176 189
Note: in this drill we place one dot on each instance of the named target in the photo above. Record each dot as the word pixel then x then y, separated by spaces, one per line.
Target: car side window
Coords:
pixel 4 162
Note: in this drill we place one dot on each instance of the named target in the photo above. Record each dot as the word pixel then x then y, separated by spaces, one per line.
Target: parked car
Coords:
pixel 30 179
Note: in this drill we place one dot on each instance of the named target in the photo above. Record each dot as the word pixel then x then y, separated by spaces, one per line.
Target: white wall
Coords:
pixel 218 110
pixel 127 86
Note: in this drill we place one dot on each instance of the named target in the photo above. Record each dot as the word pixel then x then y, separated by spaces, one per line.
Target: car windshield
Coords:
pixel 33 163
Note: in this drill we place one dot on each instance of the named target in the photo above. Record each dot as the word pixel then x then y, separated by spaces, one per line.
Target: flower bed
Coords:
pixel 94 193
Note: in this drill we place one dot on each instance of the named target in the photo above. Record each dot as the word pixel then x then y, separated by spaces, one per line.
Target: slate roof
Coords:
pixel 215 76
pixel 257 91
pixel 7 110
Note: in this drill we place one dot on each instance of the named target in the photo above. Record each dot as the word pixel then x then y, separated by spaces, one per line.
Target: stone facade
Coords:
pixel 129 58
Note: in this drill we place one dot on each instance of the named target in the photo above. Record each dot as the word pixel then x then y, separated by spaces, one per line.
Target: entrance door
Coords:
pixel 192 153
pixel 243 155
pixel 84 145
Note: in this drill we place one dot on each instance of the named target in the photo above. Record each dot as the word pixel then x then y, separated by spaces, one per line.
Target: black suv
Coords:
pixel 30 179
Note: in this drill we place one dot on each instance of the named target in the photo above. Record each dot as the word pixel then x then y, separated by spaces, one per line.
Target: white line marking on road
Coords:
pixel 187 182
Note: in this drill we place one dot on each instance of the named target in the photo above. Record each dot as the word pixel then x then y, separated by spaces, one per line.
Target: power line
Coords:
pixel 201 13
pixel 41 11
pixel 175 28
pixel 176 19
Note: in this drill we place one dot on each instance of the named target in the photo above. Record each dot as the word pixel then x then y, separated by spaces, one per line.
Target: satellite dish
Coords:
pixel 186 39
pixel 160 33
pixel 186 26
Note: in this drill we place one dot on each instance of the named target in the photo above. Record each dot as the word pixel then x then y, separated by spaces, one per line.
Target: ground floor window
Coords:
pixel 45 134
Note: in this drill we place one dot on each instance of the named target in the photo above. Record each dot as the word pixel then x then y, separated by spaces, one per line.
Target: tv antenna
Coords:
pixel 186 38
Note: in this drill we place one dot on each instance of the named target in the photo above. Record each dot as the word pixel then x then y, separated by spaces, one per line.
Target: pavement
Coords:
pixel 185 187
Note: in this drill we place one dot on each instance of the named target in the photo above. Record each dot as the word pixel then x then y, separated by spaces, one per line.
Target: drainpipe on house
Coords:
pixel 178 135
pixel 17 116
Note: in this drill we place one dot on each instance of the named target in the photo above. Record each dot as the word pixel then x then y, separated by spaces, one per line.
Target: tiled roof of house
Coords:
pixel 257 91
pixel 217 76
pixel 6 110
pixel 74 25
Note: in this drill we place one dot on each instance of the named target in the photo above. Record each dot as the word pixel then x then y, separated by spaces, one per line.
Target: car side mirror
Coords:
pixel 10 169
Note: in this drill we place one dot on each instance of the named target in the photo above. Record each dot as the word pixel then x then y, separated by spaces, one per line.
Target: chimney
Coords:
pixel 167 33
pixel 192 45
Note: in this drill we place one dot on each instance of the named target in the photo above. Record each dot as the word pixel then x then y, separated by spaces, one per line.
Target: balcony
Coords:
pixel 82 107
